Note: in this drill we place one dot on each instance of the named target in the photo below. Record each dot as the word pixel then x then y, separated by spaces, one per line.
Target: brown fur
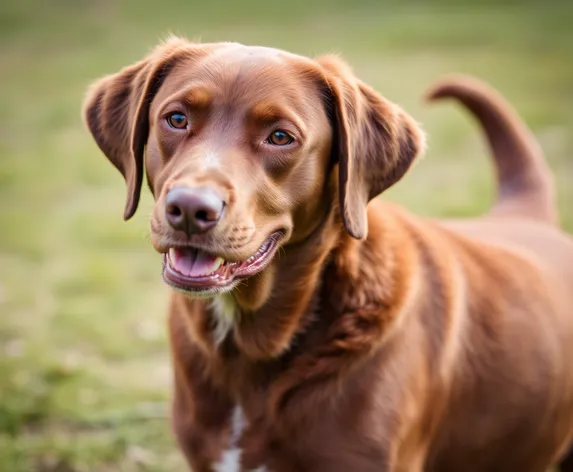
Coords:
pixel 376 340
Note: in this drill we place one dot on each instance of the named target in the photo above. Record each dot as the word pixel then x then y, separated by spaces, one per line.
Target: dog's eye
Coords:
pixel 177 120
pixel 280 138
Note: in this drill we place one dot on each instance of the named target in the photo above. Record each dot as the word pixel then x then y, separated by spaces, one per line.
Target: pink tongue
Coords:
pixel 192 262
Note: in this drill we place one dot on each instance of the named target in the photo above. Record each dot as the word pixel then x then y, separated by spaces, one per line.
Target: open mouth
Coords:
pixel 194 270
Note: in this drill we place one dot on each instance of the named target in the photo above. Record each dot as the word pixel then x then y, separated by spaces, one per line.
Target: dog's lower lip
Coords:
pixel 226 274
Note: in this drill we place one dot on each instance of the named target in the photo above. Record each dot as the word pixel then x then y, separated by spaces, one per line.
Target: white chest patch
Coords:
pixel 225 311
pixel 231 458
pixel 230 462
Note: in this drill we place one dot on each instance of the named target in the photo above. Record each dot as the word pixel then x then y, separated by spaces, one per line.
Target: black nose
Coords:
pixel 193 210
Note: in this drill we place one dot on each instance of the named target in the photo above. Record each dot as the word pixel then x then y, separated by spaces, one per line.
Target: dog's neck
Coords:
pixel 291 290
pixel 301 293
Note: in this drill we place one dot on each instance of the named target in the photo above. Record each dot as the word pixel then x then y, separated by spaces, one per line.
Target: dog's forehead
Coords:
pixel 241 52
pixel 236 62
pixel 237 73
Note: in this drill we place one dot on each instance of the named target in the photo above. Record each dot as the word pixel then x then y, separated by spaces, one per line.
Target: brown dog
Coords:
pixel 311 330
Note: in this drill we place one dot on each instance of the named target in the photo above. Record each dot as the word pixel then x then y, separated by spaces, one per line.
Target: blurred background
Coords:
pixel 84 368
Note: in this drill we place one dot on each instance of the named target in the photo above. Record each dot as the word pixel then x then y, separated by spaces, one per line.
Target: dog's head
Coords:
pixel 238 144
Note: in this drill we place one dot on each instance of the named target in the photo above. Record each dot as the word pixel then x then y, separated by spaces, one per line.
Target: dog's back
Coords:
pixel 518 267
pixel 523 219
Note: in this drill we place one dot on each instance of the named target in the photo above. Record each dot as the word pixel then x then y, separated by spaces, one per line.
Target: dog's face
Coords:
pixel 237 154
pixel 239 145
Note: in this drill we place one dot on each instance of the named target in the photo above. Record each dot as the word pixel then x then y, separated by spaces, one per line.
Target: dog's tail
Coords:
pixel 525 183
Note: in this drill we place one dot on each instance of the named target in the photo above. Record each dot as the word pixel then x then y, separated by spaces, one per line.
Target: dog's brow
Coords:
pixel 198 97
pixel 269 113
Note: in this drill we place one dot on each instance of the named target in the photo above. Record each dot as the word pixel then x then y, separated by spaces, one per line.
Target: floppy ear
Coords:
pixel 116 111
pixel 375 142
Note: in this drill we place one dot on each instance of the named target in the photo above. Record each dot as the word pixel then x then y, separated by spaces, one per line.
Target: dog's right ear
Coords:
pixel 116 111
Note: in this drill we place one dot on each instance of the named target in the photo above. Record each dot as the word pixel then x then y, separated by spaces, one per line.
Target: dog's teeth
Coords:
pixel 217 264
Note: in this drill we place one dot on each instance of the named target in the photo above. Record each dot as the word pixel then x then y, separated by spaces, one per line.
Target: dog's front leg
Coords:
pixel 201 409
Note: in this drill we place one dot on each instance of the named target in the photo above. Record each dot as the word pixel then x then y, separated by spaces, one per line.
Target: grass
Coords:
pixel 84 369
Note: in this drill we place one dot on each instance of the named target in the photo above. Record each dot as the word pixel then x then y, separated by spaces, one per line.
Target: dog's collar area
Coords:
pixel 195 270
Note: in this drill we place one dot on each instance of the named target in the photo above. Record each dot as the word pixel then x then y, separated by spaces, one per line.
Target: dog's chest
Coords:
pixel 231 458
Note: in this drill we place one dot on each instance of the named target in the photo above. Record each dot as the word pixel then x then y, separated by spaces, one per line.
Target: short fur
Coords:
pixel 376 340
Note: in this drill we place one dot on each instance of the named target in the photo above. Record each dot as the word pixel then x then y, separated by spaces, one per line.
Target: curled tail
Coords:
pixel 525 183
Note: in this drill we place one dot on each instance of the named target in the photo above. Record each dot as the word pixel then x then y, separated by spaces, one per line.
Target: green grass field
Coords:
pixel 84 368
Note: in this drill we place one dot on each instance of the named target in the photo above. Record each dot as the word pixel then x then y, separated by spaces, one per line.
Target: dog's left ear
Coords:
pixel 374 142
